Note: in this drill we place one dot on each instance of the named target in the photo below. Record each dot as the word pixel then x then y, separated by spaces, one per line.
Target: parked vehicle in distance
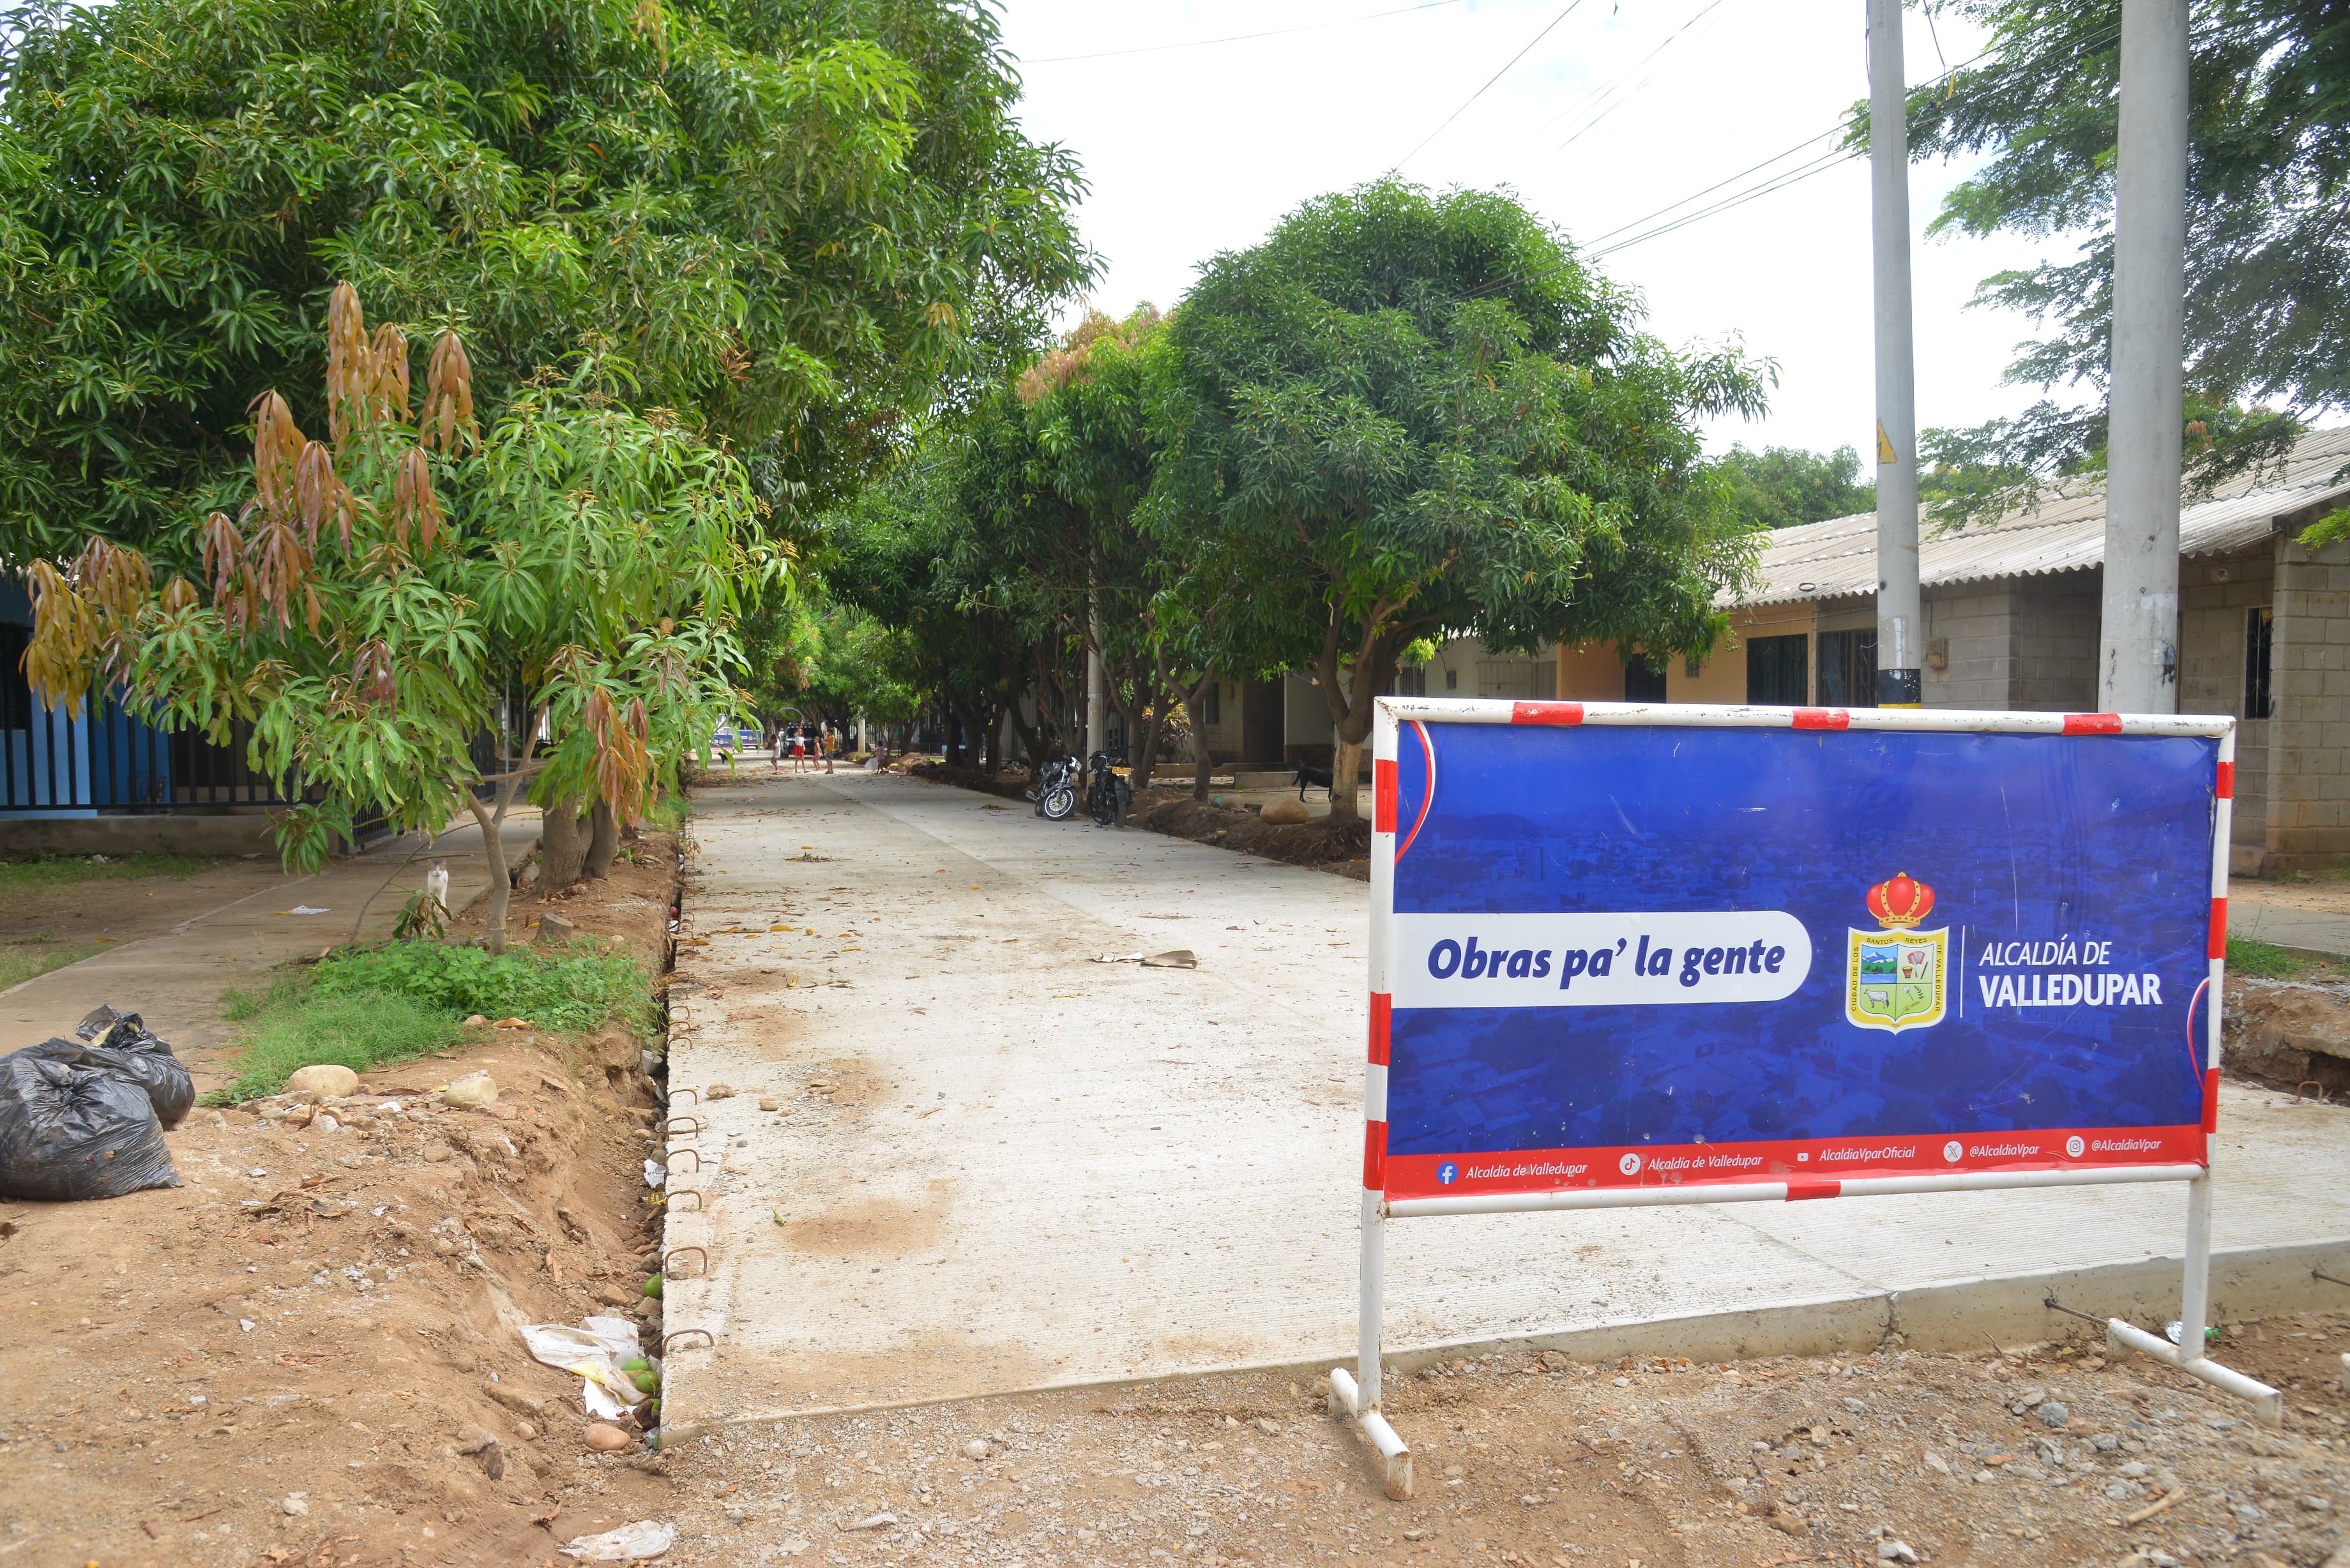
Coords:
pixel 1055 789
pixel 1112 792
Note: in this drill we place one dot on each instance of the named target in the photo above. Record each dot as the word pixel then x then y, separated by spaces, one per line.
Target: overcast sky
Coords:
pixel 1195 149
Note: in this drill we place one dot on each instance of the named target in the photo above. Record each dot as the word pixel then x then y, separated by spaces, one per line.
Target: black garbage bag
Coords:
pixel 130 1048
pixel 68 1132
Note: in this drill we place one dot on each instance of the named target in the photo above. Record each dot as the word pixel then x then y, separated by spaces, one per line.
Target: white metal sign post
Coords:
pixel 1574 905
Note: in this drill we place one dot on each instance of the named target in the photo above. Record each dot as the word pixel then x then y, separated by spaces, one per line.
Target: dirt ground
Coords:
pixel 286 1359
pixel 2042 1455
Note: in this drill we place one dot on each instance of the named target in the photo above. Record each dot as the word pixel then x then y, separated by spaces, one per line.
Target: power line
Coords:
pixel 1497 76
pixel 1242 37
pixel 1596 93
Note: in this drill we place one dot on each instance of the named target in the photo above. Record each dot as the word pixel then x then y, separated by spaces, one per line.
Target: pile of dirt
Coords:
pixel 308 1353
pixel 2042 1456
pixel 1325 844
pixel 2288 1032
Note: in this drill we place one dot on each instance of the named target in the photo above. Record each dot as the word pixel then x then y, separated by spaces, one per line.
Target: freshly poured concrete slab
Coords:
pixel 1004 1166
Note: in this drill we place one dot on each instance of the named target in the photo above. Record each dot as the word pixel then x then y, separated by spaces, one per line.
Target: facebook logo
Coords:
pixel 1448 1173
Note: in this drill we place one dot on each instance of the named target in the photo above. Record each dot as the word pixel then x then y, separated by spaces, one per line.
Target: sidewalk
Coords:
pixel 176 980
pixel 2314 917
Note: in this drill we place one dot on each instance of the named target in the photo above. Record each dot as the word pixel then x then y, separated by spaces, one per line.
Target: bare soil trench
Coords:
pixel 294 1357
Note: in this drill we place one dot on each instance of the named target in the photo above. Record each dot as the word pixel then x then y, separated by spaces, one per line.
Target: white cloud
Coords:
pixel 1194 150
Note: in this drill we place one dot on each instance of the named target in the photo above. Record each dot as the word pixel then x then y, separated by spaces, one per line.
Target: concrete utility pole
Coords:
pixel 2138 659
pixel 1096 683
pixel 1899 640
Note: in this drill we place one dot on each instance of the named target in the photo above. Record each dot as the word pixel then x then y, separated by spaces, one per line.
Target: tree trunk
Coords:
pixel 562 848
pixel 1345 766
pixel 603 841
pixel 493 851
pixel 1201 766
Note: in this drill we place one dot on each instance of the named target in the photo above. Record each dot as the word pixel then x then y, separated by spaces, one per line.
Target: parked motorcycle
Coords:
pixel 1055 789
pixel 1112 790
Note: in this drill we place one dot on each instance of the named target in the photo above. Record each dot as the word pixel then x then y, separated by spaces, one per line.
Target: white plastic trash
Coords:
pixel 597 1351
pixel 655 1174
pixel 639 1542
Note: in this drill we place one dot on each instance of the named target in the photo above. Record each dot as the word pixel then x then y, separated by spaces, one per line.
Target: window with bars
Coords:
pixel 2259 628
pixel 1779 671
pixel 1848 669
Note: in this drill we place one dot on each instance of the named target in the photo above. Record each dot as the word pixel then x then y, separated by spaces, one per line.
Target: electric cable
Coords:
pixel 1243 37
pixel 1617 89
pixel 1497 76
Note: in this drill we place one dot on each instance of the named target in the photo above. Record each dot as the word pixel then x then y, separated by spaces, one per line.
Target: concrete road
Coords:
pixel 996 1164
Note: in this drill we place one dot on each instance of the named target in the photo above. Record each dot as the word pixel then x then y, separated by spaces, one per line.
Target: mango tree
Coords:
pixel 1404 416
pixel 379 593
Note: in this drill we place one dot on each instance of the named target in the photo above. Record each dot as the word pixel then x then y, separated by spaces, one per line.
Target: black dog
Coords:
pixel 1310 774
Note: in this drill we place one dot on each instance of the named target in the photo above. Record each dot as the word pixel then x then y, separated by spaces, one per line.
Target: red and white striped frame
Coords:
pixel 1358 1394
pixel 1393 713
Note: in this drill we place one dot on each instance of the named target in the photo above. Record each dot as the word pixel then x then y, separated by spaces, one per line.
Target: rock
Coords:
pixel 974 1450
pixel 2105 1442
pixel 2054 1417
pixel 765 1105
pixel 1285 810
pixel 606 1439
pixel 1855 1406
pixel 1789 1520
pixel 1268 1428
pixel 476 1021
pixel 295 1504
pixel 613 1296
pixel 1936 1463
pixel 327 1078
pixel 2026 1400
pixel 526 1431
pixel 2316 1504
pixel 719 1092
pixel 475 1088
pixel 555 929
pixel 1896 1552
pixel 874 1522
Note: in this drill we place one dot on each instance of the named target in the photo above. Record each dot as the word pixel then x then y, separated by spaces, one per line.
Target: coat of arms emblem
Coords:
pixel 1896 979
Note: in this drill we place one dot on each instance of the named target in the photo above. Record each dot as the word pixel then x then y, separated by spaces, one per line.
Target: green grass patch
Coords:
pixel 2266 960
pixel 21 961
pixel 44 872
pixel 370 1007
pixel 360 1032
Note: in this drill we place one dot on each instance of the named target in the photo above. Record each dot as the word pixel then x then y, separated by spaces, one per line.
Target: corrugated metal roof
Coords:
pixel 2065 533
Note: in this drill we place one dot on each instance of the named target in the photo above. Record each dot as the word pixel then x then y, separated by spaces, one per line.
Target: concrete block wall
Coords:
pixel 2055 619
pixel 2309 735
pixel 2215 594
pixel 1977 622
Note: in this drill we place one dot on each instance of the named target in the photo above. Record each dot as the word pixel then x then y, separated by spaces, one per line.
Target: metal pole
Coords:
pixel 2137 659
pixel 1899 683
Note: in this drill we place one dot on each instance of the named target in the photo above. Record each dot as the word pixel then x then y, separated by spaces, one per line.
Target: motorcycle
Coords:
pixel 1112 792
pixel 1055 789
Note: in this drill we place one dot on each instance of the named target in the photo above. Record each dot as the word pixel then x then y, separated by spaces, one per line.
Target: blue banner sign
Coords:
pixel 1629 954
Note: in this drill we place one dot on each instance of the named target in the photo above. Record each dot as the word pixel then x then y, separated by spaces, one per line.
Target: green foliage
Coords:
pixel 790 221
pixel 581 988
pixel 383 594
pixel 44 872
pixel 370 1007
pixel 421 918
pixel 2268 258
pixel 362 1032
pixel 1405 413
pixel 2252 959
pixel 1780 486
